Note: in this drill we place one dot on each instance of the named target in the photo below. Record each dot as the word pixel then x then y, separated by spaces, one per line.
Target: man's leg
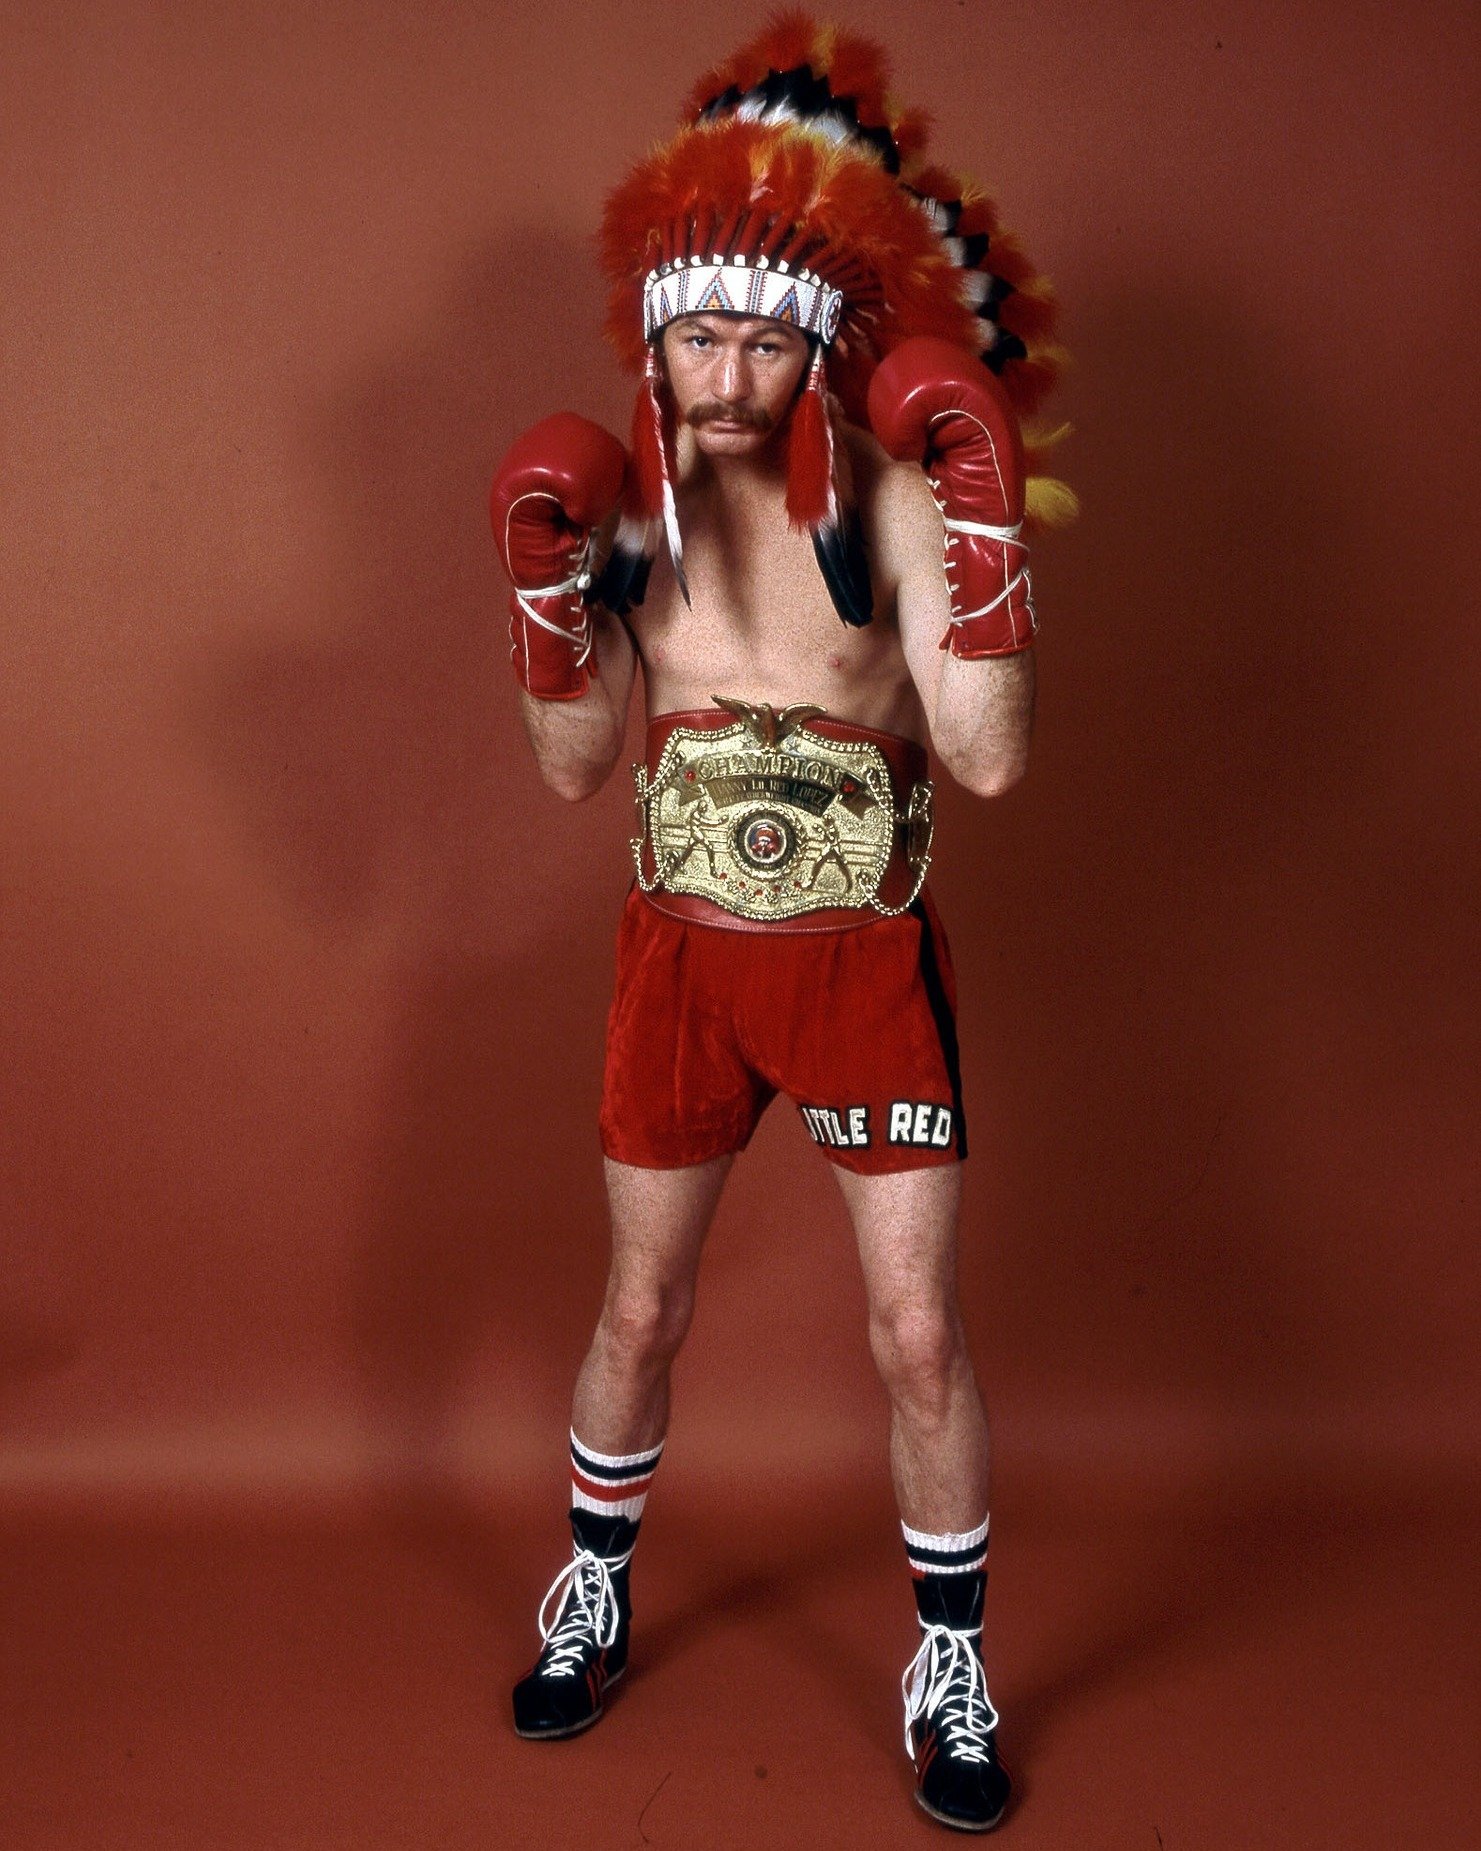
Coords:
pixel 618 1421
pixel 659 1222
pixel 906 1226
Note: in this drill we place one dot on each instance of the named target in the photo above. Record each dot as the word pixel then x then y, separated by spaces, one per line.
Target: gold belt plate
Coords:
pixel 770 830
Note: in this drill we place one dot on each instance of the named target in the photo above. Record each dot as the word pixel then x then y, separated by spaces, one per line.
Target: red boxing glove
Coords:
pixel 555 487
pixel 933 403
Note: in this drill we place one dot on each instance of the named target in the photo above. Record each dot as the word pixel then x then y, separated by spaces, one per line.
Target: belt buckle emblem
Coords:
pixel 769 819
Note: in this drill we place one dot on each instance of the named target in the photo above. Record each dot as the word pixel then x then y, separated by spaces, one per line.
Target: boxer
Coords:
pixel 828 428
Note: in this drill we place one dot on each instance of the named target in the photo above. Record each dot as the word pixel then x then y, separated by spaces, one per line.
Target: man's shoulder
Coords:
pixel 901 520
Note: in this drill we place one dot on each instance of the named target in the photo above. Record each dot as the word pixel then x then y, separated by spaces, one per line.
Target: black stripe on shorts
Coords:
pixel 930 970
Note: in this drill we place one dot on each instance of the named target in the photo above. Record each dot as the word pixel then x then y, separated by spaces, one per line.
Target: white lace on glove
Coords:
pixel 1005 536
pixel 581 636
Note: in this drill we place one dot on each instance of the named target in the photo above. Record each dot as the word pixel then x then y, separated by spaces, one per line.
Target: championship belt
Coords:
pixel 780 817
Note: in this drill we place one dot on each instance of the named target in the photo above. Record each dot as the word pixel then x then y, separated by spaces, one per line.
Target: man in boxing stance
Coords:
pixel 771 256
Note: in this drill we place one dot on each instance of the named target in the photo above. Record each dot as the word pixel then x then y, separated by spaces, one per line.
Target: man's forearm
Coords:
pixel 983 719
pixel 577 742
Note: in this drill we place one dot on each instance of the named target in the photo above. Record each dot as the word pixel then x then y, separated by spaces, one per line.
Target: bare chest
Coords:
pixel 761 626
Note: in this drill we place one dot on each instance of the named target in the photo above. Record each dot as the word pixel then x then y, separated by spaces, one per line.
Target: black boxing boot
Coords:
pixel 950 1722
pixel 585 1643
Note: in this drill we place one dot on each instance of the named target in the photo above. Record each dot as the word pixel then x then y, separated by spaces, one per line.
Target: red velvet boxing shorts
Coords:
pixel 857 1027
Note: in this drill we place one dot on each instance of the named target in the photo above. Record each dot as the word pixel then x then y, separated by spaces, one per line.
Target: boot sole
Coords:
pixel 575 1728
pixel 959 1825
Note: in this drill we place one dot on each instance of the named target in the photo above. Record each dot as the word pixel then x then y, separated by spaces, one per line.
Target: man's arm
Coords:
pixel 577 742
pixel 935 406
pixel 980 712
pixel 557 486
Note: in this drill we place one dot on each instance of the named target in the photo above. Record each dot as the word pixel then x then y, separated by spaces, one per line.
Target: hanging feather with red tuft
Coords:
pixel 623 582
pixel 817 505
pixel 647 504
pixel 660 424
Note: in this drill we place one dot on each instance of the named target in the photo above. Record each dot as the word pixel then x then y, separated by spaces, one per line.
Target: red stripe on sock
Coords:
pixel 609 1493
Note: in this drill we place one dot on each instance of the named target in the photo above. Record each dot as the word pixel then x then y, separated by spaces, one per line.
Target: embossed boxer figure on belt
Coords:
pixel 836 349
pixel 832 854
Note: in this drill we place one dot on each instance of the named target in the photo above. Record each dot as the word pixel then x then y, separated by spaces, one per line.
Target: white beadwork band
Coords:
pixel 734 286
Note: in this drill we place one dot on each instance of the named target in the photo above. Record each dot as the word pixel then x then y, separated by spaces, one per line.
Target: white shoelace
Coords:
pixel 590 1613
pixel 945 1681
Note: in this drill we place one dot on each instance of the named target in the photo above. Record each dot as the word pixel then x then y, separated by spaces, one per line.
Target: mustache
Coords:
pixel 711 411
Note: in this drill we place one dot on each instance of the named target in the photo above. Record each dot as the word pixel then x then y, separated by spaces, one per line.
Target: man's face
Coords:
pixel 733 378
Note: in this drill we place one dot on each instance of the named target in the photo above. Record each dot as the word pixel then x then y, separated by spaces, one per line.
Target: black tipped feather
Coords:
pixel 1007 347
pixel 623 581
pixel 677 561
pixel 799 93
pixel 845 568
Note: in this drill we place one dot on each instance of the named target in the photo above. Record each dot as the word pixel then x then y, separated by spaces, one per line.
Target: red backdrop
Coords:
pixel 306 972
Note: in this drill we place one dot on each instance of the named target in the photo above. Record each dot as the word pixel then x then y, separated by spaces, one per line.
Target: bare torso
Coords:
pixel 761 625
pixel 762 628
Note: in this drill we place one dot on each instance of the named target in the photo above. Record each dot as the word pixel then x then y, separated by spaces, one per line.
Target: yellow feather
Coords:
pixel 1039 439
pixel 1048 502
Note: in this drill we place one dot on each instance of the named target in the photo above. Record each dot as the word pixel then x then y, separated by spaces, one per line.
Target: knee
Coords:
pixel 918 1352
pixel 643 1326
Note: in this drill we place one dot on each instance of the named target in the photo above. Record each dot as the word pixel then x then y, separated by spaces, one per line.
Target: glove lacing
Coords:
pixel 586 1611
pixel 1006 537
pixel 580 580
pixel 945 1681
pixel 581 637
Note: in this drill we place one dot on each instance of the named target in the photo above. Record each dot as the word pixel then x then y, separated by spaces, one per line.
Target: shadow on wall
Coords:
pixel 380 764
pixel 383 774
pixel 33 1345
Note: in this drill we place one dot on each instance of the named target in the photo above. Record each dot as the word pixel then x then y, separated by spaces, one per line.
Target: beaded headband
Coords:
pixel 730 285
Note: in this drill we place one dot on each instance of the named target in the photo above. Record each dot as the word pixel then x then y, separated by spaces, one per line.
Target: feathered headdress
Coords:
pixel 798 189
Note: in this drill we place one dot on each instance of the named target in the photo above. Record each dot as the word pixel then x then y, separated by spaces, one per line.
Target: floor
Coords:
pixel 1266 1664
